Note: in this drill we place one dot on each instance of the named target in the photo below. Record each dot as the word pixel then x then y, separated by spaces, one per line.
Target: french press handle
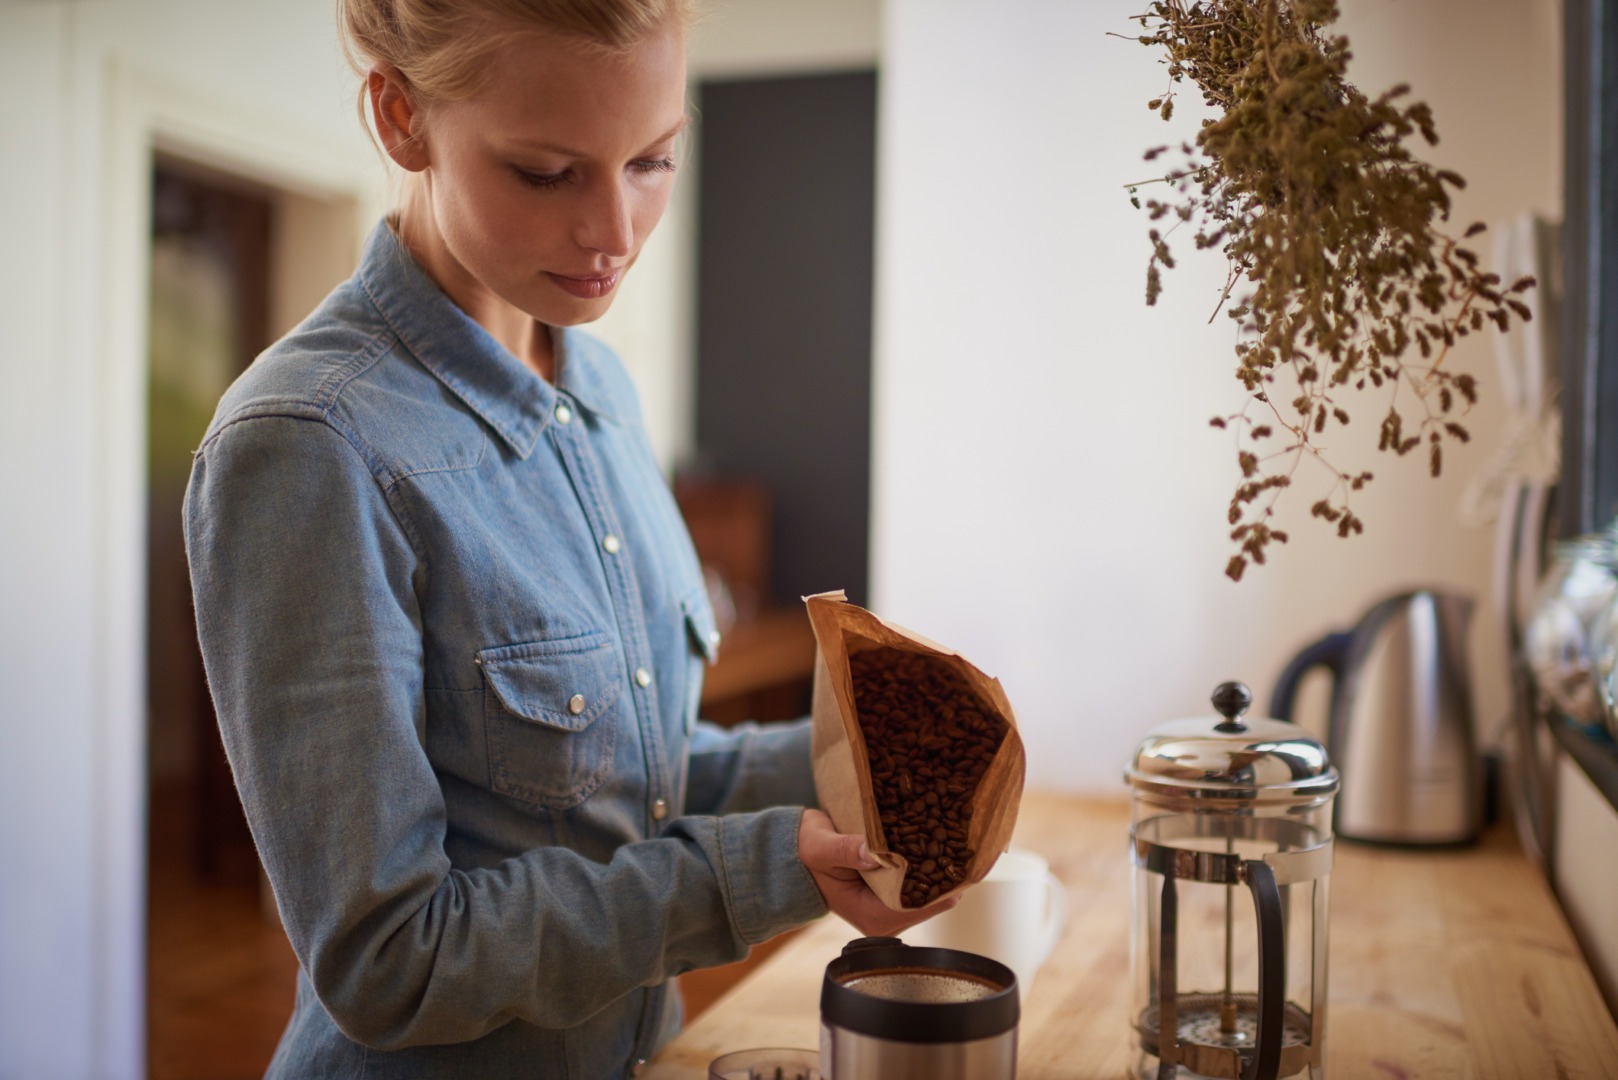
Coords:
pixel 1265 1063
pixel 1272 972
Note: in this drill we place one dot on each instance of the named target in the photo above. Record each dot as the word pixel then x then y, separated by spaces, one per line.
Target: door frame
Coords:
pixel 145 113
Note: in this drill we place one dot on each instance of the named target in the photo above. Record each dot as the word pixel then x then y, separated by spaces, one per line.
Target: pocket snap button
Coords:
pixel 575 704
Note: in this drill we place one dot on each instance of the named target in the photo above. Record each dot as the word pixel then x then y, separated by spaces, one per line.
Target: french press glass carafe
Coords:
pixel 1232 846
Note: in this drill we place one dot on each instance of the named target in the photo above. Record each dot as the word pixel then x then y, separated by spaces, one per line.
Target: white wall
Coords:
pixel 764 38
pixel 1047 495
pixel 46 627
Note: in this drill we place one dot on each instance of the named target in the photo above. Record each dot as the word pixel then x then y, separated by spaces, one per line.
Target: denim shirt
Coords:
pixel 455 632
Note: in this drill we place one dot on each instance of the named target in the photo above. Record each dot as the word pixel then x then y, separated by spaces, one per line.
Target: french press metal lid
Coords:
pixel 1232 758
pixel 1232 846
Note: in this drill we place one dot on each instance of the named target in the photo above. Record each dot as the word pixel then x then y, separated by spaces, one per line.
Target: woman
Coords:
pixel 453 624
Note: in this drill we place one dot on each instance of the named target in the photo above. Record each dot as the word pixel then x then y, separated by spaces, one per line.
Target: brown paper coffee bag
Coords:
pixel 963 821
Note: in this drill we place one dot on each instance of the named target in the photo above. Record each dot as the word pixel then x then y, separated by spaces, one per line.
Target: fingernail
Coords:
pixel 866 859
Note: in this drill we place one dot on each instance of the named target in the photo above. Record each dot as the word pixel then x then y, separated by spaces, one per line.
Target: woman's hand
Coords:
pixel 834 860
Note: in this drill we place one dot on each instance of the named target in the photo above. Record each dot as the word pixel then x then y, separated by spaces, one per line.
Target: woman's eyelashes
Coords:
pixel 654 165
pixel 545 181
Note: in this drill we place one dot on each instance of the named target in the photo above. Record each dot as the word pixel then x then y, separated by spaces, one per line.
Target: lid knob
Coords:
pixel 1232 699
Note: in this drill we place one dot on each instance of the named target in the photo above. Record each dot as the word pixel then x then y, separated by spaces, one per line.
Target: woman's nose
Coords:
pixel 607 225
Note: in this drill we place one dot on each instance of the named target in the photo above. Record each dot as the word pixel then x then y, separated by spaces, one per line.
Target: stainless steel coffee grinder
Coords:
pixel 891 1011
pixel 1231 839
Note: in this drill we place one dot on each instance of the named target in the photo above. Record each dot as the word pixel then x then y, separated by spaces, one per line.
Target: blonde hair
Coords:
pixel 440 46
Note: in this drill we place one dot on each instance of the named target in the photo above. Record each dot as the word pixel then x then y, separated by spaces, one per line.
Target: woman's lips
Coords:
pixel 585 288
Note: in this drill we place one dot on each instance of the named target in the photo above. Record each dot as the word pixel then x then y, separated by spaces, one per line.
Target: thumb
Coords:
pixel 853 851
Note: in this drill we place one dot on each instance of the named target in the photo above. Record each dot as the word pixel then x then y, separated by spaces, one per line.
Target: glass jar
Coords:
pixel 1570 607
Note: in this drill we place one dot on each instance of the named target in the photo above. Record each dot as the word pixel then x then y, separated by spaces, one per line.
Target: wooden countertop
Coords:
pixel 1453 963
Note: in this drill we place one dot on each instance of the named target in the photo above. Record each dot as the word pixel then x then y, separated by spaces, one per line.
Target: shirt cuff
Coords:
pixel 770 889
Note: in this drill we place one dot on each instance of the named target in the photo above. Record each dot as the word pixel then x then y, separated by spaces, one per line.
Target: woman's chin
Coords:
pixel 574 314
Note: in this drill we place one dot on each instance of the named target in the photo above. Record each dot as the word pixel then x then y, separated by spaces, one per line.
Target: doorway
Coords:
pixel 233 264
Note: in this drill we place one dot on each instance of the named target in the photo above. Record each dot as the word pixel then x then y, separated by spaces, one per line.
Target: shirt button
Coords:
pixel 713 638
pixel 660 809
pixel 611 544
pixel 575 704
pixel 643 677
pixel 564 415
pixel 638 1068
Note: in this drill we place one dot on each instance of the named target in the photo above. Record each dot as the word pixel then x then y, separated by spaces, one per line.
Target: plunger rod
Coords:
pixel 1227 1008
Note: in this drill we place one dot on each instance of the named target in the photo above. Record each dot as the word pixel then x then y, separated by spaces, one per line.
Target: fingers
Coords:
pixel 834 860
pixel 851 899
pixel 822 848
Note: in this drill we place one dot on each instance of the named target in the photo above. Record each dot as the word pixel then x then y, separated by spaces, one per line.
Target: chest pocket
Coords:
pixel 549 717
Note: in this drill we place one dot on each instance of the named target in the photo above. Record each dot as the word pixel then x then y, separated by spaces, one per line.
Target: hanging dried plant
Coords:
pixel 1341 274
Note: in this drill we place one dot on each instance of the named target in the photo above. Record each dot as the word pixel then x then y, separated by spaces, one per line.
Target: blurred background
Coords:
pixel 891 338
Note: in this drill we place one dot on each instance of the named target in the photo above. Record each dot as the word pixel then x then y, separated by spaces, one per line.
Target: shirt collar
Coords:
pixel 510 397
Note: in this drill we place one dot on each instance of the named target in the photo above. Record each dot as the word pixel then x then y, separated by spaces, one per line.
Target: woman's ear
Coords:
pixel 397 117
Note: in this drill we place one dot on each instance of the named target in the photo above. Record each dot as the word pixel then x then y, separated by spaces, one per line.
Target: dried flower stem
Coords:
pixel 1307 188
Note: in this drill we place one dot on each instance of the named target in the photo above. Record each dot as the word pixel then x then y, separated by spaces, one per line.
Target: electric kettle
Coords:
pixel 1400 728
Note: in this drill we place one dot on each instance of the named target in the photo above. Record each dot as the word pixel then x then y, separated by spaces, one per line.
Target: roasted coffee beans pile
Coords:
pixel 929 740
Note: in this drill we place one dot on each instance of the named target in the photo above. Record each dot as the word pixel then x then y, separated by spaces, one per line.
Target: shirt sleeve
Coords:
pixel 306 586
pixel 749 766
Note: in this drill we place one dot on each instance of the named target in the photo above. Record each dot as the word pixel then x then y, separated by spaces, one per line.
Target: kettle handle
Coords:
pixel 1329 652
pixel 1272 972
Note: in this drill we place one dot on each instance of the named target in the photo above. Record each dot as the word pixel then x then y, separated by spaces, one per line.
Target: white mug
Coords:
pixel 1014 915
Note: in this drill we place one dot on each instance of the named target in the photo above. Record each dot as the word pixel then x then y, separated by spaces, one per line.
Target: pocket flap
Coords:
pixel 563 684
pixel 699 622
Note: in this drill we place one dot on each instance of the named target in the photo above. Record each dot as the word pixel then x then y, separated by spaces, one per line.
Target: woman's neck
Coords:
pixel 522 335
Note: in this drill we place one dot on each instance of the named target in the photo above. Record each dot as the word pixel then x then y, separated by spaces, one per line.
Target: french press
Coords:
pixel 1232 846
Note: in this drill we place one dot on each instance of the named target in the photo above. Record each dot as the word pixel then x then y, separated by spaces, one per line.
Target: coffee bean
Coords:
pixel 928 741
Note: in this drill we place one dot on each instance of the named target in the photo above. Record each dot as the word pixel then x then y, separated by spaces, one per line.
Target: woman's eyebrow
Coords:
pixel 554 148
pixel 685 121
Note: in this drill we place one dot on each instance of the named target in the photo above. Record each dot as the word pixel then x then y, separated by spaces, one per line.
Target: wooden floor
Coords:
pixel 221 973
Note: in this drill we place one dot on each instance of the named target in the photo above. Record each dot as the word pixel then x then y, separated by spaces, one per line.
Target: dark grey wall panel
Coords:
pixel 1588 494
pixel 784 312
